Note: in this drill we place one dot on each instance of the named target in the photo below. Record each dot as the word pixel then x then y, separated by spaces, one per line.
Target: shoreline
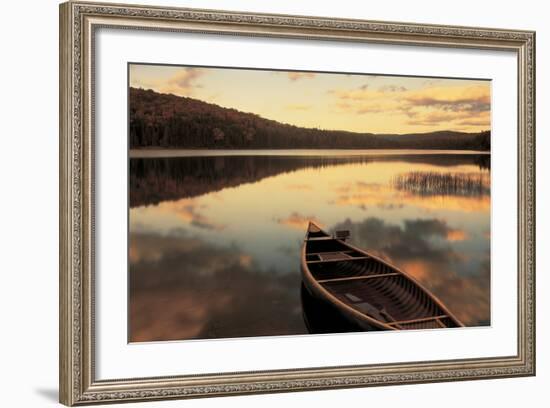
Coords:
pixel 153 152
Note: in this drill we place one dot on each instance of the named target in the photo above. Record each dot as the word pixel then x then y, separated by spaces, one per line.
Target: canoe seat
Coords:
pixel 333 256
pixel 336 256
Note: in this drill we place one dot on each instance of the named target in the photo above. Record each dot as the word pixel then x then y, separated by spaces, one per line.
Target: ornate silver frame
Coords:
pixel 78 22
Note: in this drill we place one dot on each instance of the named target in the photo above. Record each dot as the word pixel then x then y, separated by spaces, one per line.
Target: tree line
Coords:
pixel 170 121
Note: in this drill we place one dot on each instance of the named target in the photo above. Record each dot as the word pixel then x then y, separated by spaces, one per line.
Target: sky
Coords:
pixel 352 102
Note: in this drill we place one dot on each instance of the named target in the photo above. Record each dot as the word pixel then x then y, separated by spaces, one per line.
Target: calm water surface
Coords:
pixel 215 240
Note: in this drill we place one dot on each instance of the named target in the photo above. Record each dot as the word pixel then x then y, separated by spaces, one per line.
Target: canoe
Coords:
pixel 366 291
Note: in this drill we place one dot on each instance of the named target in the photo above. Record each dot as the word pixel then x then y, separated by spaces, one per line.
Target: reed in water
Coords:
pixel 434 183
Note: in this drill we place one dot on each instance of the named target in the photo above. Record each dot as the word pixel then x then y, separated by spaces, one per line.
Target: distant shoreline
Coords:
pixel 163 120
pixel 155 152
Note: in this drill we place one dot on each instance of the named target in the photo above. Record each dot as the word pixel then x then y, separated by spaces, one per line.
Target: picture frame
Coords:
pixel 79 24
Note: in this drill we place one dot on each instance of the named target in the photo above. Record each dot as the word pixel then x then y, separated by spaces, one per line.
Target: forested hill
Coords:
pixel 169 121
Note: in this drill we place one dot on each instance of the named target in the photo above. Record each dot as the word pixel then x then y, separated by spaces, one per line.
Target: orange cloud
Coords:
pixel 475 96
pixel 436 117
pixel 181 83
pixel 294 76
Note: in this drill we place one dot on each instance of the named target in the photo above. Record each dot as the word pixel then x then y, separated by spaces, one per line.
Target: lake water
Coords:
pixel 215 239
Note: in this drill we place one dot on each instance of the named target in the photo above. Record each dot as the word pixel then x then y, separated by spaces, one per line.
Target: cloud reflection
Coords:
pixel 298 221
pixel 153 180
pixel 425 248
pixel 191 211
pixel 387 196
pixel 208 260
pixel 184 288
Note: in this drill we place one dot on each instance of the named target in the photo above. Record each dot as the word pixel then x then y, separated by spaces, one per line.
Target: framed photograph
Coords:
pixel 256 203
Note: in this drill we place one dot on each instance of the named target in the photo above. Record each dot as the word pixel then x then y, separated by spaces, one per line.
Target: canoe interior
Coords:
pixel 320 317
pixel 314 231
pixel 372 287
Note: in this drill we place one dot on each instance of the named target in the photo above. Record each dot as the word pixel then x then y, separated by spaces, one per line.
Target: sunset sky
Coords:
pixel 357 103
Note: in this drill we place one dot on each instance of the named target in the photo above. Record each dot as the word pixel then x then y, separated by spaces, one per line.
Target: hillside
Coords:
pixel 170 121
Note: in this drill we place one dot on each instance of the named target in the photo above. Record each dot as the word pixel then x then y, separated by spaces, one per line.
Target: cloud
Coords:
pixel 482 121
pixel 449 107
pixel 392 88
pixel 295 76
pixel 364 101
pixel 470 98
pixel 459 119
pixel 183 82
pixel 357 94
pixel 433 118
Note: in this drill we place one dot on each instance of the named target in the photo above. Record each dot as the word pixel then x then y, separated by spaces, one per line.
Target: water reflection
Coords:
pixel 214 241
pixel 436 255
pixel 444 184
pixel 184 288
pixel 158 179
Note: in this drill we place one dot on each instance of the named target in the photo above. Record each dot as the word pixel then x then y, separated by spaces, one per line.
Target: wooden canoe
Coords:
pixel 367 291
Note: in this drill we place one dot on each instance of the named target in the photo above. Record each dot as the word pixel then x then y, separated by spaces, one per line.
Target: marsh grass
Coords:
pixel 434 183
